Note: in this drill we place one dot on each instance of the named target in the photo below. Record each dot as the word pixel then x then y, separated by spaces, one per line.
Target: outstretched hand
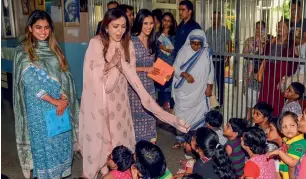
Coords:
pixel 182 125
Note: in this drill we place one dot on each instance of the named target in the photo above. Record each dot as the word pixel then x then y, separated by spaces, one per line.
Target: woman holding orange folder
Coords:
pixel 143 38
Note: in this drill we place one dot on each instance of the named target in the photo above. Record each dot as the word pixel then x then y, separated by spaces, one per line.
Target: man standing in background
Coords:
pixel 218 37
pixel 186 26
pixel 110 5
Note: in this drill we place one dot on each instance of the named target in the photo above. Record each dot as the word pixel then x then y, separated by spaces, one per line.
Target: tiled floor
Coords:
pixel 9 159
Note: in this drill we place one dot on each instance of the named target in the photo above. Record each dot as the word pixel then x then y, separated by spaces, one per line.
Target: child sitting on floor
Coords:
pixel 120 160
pixel 213 162
pixel 214 121
pixel 293 94
pixel 296 144
pixel 275 136
pixel 233 131
pixel 261 116
pixel 188 164
pixel 150 162
pixel 254 143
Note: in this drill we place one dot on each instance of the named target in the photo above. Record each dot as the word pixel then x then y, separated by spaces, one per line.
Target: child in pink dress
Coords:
pixel 258 166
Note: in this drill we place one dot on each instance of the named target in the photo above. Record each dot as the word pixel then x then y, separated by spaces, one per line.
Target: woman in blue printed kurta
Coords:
pixel 42 82
pixel 144 43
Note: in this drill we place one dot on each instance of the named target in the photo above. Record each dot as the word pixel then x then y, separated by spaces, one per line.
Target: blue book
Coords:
pixel 57 124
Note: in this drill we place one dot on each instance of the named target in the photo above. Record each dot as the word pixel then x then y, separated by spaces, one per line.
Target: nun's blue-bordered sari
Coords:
pixel 50 158
pixel 191 103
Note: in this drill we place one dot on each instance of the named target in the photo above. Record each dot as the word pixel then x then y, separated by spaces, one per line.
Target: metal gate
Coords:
pixel 236 62
pixel 253 51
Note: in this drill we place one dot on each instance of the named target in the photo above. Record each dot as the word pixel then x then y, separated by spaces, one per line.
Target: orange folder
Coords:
pixel 165 70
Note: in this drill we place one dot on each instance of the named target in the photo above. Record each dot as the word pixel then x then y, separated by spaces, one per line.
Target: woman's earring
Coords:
pixel 106 31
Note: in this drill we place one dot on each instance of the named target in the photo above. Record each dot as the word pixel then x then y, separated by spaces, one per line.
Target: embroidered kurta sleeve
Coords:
pixel 97 62
pixel 132 54
pixel 92 122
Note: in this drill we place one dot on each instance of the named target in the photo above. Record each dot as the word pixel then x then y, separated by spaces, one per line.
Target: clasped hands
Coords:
pixel 190 79
pixel 114 62
pixel 61 104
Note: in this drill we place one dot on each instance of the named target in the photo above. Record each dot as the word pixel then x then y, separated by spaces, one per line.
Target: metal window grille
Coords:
pixel 240 16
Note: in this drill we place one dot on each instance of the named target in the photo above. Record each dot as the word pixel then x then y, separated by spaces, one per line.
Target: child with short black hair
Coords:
pixel 214 121
pixel 234 130
pixel 293 94
pixel 120 161
pixel 262 113
pixel 296 144
pixel 254 143
pixel 273 133
pixel 150 162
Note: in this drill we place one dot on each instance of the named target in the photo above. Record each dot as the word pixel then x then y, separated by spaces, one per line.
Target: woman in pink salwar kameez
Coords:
pixel 105 115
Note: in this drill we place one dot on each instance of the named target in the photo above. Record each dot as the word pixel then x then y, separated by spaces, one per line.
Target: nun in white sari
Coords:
pixel 193 79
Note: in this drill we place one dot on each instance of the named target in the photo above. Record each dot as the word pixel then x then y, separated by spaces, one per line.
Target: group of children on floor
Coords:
pixel 274 148
pixel 271 149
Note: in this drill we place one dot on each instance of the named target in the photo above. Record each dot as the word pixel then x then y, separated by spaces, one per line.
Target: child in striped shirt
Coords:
pixel 233 131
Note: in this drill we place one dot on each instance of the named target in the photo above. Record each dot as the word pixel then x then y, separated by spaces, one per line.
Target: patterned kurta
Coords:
pixel 105 117
pixel 144 122
pixel 52 157
pixel 49 157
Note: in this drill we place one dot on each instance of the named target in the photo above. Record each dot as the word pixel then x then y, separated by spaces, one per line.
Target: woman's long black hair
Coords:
pixel 172 30
pixel 137 27
pixel 208 141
